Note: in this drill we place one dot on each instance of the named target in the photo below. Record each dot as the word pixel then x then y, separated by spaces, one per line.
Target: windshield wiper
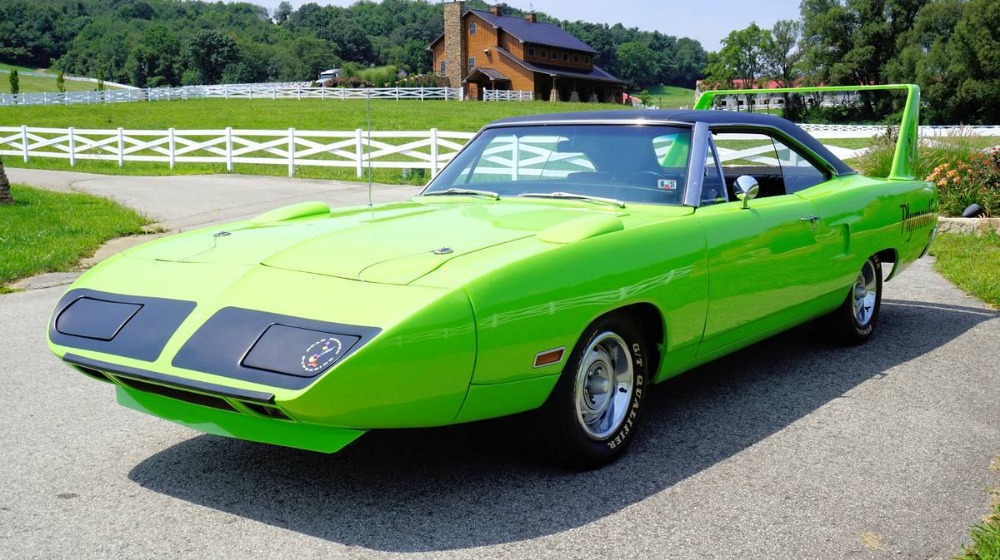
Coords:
pixel 455 190
pixel 562 194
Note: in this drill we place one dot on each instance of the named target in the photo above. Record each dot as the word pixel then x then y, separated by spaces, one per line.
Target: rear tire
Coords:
pixel 593 412
pixel 854 322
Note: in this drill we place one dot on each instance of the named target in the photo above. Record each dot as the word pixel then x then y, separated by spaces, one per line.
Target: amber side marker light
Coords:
pixel 549 357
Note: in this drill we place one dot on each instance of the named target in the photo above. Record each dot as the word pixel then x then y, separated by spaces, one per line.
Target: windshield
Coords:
pixel 627 163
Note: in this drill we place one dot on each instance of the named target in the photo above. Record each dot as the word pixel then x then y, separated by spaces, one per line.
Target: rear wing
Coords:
pixel 906 145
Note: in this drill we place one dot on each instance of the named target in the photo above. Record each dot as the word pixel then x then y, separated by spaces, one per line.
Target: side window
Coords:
pixel 472 28
pixel 779 170
pixel 713 186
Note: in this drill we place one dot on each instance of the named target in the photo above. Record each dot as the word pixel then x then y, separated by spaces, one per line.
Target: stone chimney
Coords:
pixel 532 17
pixel 496 9
pixel 454 43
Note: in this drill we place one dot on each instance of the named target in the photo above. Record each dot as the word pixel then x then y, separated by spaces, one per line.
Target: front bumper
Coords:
pixel 236 424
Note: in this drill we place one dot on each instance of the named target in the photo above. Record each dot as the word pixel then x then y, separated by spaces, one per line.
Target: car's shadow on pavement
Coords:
pixel 476 485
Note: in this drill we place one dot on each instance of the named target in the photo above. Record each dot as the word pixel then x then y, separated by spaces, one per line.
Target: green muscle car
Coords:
pixel 560 265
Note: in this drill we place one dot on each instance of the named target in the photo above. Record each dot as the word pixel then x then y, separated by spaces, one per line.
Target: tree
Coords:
pixel 282 13
pixel 61 82
pixel 781 53
pixel 209 53
pixel 15 82
pixel 742 62
pixel 854 43
pixel 637 64
pixel 970 89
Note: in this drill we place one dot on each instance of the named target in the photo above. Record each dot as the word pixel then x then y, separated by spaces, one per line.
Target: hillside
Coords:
pixel 174 42
pixel 38 81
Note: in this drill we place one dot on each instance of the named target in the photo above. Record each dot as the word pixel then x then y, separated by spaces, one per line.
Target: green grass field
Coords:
pixel 38 84
pixel 671 97
pixel 972 263
pixel 49 232
pixel 305 114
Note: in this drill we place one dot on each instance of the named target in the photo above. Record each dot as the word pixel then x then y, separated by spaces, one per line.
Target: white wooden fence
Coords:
pixel 429 149
pixel 230 91
pixel 507 95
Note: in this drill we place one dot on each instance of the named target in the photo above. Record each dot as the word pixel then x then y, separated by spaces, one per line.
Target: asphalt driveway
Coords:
pixel 789 449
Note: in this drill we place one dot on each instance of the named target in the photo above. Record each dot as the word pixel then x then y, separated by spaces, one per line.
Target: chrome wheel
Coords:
pixel 604 382
pixel 865 291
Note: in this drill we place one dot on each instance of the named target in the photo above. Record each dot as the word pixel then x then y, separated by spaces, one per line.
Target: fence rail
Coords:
pixel 230 91
pixel 426 149
pixel 429 149
pixel 507 95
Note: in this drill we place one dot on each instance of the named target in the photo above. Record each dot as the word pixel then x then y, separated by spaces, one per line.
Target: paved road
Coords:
pixel 789 449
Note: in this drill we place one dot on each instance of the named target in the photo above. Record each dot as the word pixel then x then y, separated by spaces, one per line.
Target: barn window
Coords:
pixel 531 51
pixel 442 72
pixel 472 28
pixel 542 53
pixel 472 63
pixel 555 55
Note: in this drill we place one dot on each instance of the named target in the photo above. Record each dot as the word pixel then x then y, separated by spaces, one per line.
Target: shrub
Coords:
pixel 963 173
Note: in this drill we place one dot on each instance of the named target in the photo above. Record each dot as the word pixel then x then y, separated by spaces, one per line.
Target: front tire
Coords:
pixel 854 322
pixel 593 412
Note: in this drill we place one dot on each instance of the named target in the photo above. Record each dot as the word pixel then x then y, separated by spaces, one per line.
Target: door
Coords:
pixel 766 262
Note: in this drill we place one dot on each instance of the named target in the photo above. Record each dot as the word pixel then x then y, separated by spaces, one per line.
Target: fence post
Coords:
pixel 24 142
pixel 515 159
pixel 121 147
pixel 434 152
pixel 173 148
pixel 291 152
pixel 72 147
pixel 229 149
pixel 359 150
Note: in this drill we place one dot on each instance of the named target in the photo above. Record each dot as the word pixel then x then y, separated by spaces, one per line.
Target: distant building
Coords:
pixel 488 50
pixel 771 100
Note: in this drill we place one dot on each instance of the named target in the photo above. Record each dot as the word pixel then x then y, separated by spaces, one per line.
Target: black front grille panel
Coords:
pixel 178 394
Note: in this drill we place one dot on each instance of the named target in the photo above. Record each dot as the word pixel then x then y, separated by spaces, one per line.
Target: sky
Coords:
pixel 707 21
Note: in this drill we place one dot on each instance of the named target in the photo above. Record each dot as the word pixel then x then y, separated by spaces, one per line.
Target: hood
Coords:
pixel 392 244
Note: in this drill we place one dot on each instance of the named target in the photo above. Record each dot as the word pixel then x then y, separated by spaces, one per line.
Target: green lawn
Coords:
pixel 971 263
pixel 38 84
pixel 48 232
pixel 306 114
pixel 672 97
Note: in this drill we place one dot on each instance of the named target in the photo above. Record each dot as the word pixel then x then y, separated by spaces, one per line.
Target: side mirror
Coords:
pixel 746 189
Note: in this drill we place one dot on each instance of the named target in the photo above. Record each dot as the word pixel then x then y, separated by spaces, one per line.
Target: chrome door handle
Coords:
pixel 810 219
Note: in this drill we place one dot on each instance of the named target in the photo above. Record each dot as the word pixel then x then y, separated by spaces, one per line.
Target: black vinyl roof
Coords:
pixel 714 119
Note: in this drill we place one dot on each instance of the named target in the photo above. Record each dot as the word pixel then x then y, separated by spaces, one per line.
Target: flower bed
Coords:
pixel 973 181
